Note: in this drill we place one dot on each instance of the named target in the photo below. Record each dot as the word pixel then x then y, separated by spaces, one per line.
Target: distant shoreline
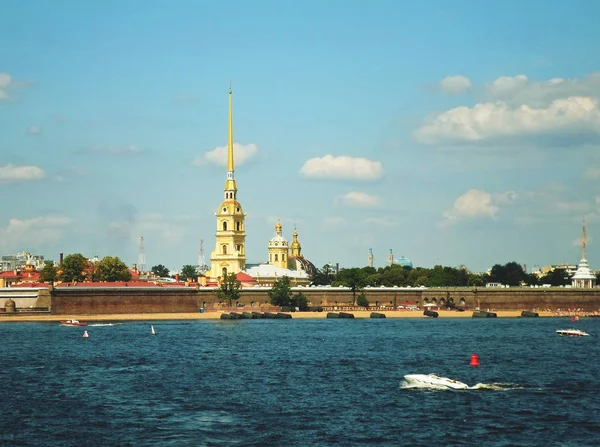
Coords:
pixel 215 315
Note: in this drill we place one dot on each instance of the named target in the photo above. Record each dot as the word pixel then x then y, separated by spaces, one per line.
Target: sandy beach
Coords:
pixel 213 315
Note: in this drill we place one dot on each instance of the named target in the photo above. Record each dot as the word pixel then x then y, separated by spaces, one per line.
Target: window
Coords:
pixel 283 257
pixel 270 257
pixel 239 248
pixel 238 225
pixel 224 249
pixel 224 272
pixel 224 226
pixel 275 257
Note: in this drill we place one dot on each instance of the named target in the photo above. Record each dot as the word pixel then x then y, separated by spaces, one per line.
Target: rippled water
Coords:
pixel 299 382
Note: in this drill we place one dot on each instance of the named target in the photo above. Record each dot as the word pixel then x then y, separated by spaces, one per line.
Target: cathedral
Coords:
pixel 229 255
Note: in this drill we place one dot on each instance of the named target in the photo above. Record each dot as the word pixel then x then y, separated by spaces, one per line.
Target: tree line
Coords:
pixel 76 268
pixel 510 274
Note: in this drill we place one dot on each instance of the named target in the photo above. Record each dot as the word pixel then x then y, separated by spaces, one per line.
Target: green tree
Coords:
pixel 511 274
pixel 475 280
pixel 189 272
pixel 556 278
pixel 300 301
pixel 281 292
pixel 324 276
pixel 49 272
pixel 160 270
pixel 229 289
pixel 73 268
pixel 112 269
pixel 354 278
pixel 362 300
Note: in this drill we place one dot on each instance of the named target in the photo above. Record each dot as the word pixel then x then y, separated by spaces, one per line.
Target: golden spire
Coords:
pixel 295 245
pixel 583 241
pixel 230 186
pixel 230 145
pixel 278 228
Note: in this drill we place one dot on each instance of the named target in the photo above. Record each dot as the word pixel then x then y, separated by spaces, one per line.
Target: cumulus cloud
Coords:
pixel 32 232
pixel 117 150
pixel 592 174
pixel 575 116
pixel 10 173
pixel 357 198
pixel 476 203
pixel 34 130
pixel 455 84
pixel 343 167
pixel 218 156
pixel 518 90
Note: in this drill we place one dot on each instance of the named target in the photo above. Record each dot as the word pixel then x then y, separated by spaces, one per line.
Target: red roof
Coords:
pixel 244 277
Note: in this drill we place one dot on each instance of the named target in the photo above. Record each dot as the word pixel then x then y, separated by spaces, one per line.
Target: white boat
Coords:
pixel 571 333
pixel 433 381
pixel 153 331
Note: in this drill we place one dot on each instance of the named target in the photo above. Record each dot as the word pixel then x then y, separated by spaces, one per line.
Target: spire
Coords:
pixel 278 228
pixel 230 186
pixel 230 145
pixel 583 241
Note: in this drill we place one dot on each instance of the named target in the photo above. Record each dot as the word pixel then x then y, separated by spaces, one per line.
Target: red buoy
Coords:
pixel 474 360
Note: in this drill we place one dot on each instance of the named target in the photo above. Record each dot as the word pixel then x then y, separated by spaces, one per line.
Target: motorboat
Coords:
pixel 72 322
pixel 433 381
pixel 571 333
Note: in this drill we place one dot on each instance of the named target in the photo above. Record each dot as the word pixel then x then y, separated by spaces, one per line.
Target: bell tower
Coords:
pixel 230 251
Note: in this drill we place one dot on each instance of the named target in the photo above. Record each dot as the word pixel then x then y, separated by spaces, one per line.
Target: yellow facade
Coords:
pixel 230 250
pixel 278 248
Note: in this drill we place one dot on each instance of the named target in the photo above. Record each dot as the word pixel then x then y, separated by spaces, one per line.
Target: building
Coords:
pixel 284 260
pixel 370 258
pixel 584 278
pixel 230 250
pixel 20 260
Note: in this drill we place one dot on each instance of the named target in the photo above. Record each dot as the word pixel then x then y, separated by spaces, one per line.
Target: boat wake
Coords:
pixel 435 382
pixel 104 324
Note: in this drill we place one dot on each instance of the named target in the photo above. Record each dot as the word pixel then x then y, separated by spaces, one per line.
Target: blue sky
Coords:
pixel 453 132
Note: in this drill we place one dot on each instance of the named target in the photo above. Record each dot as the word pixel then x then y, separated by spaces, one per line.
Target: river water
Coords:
pixel 299 383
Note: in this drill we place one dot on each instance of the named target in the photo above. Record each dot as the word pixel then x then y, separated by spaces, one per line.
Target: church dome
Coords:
pixel 404 262
pixel 278 240
pixel 231 207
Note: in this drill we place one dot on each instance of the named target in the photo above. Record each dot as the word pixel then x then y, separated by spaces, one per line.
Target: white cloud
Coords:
pixel 5 80
pixel 117 150
pixel 218 156
pixel 343 167
pixel 356 198
pixel 34 130
pixel 10 173
pixel 578 117
pixel 455 84
pixel 473 203
pixel 518 90
pixel 380 221
pixel 32 232
pixel 592 174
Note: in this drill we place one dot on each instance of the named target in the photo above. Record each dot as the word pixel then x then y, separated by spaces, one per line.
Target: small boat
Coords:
pixel 571 333
pixel 153 331
pixel 433 381
pixel 72 322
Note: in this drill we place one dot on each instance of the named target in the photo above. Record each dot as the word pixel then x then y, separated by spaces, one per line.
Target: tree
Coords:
pixel 280 293
pixel 323 277
pixel 229 289
pixel 300 301
pixel 49 272
pixel 556 278
pixel 362 300
pixel 73 268
pixel 353 278
pixel 160 270
pixel 189 272
pixel 112 269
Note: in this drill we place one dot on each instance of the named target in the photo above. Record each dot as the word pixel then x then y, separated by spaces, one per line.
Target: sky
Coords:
pixel 452 132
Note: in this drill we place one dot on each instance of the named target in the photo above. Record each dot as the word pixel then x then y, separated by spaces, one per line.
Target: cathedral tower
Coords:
pixel 278 249
pixel 230 252
pixel 370 258
pixel 295 247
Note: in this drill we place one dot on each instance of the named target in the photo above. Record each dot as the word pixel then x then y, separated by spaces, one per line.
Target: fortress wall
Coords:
pixel 106 300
